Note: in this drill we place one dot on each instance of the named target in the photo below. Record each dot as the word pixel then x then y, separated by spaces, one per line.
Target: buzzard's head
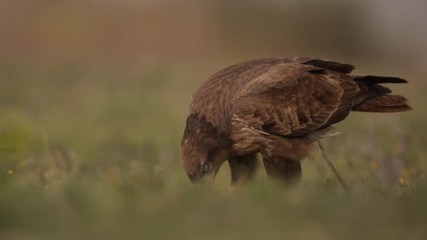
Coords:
pixel 204 149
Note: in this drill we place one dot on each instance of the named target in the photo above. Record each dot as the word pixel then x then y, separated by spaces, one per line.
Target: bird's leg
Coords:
pixel 242 168
pixel 282 169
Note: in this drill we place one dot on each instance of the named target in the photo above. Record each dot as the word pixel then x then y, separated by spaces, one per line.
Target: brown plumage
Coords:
pixel 278 107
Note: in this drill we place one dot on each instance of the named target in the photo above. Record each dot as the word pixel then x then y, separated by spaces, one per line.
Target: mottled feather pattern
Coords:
pixel 281 109
pixel 216 94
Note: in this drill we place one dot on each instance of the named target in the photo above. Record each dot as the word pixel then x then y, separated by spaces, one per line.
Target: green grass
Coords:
pixel 93 153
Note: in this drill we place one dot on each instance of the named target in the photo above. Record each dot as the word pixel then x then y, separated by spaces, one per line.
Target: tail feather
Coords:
pixel 373 97
pixel 383 103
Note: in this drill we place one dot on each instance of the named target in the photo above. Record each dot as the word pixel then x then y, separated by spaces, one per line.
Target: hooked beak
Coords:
pixel 212 174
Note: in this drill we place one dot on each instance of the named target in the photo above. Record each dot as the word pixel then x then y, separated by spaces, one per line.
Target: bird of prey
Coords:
pixel 278 107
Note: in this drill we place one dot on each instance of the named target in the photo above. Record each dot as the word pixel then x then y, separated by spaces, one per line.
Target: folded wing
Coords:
pixel 294 99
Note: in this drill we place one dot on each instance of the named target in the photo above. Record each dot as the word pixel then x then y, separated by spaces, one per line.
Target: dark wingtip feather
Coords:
pixel 369 79
pixel 331 65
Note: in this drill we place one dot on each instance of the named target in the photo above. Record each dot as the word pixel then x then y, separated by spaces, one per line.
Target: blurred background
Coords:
pixel 94 96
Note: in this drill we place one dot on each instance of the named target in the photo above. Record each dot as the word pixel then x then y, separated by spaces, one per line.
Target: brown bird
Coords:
pixel 278 107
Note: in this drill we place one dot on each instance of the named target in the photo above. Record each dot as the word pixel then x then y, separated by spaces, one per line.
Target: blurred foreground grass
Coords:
pixel 93 153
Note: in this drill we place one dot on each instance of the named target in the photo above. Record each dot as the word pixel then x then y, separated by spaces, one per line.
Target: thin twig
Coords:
pixel 331 166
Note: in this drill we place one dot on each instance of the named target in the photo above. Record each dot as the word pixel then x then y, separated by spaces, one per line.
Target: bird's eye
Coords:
pixel 206 167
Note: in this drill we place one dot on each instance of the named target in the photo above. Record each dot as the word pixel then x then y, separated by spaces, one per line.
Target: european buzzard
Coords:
pixel 278 107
